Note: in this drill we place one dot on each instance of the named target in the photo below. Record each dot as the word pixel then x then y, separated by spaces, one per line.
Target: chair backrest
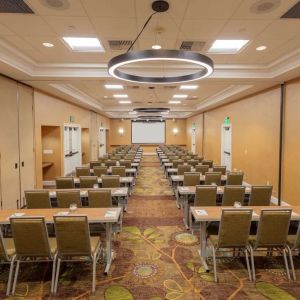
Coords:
pixel 95 163
pixel 3 252
pixel 37 199
pixel 235 178
pixel 30 236
pixel 99 171
pixel 193 162
pixel 273 228
pixel 191 178
pixel 183 168
pixel 82 171
pixel 221 169
pixel 260 195
pixel 177 162
pixel 233 193
pixel 72 235
pixel 126 163
pixel 64 182
pixel 200 158
pixel 213 177
pixel 99 198
pixel 202 168
pixel 111 163
pixel 208 162
pixel 118 157
pixel 119 170
pixel 88 181
pixel 110 181
pixel 206 195
pixel 234 228
pixel 65 198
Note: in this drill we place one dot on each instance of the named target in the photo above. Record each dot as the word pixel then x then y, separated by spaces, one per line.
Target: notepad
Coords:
pixel 110 214
pixel 62 213
pixel 185 188
pixel 17 215
pixel 52 194
pixel 254 214
pixel 118 191
pixel 201 212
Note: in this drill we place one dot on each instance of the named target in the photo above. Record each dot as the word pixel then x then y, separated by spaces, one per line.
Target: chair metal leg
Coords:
pixel 11 271
pixel 286 265
pixel 252 263
pixel 94 272
pixel 248 265
pixel 53 272
pixel 16 277
pixel 292 262
pixel 215 263
pixel 57 275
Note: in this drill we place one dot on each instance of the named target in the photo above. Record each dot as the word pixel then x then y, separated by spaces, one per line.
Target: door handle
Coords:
pixel 22 164
pixel 226 152
pixel 16 165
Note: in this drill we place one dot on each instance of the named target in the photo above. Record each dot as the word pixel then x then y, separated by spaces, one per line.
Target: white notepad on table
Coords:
pixel 62 213
pixel 201 212
pixel 110 214
pixel 185 188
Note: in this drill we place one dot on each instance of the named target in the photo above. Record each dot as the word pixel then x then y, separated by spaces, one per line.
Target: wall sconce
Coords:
pixel 121 131
pixel 175 130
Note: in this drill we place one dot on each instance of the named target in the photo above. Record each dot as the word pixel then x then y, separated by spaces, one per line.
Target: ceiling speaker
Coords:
pixel 56 4
pixel 264 6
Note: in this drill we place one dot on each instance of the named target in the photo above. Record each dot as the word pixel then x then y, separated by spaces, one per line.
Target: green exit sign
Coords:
pixel 72 119
pixel 227 121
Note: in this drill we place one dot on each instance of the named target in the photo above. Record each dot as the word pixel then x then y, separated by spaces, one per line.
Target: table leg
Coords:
pixel 186 211
pixel 109 252
pixel 202 250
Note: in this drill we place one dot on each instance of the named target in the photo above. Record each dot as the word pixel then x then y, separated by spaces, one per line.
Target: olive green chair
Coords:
pixel 191 178
pixel 213 178
pixel 181 169
pixel 233 193
pixel 202 169
pixel 233 234
pixel 235 178
pixel 208 162
pixel 99 198
pixel 126 163
pixel 75 244
pixel 221 169
pixel 110 181
pixel 206 195
pixel 95 163
pixel 87 182
pixel 65 182
pixel 37 199
pixel 99 171
pixel 82 171
pixel 260 195
pixel 65 198
pixel 118 170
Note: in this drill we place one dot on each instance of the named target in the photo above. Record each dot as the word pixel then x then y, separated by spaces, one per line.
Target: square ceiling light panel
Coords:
pixel 84 44
pixel 227 46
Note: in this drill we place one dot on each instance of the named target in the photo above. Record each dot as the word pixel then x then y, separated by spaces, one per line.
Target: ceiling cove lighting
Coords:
pixel 124 102
pixel 174 101
pixel 227 46
pixel 156 47
pixel 114 86
pixel 202 63
pixel 120 96
pixel 188 87
pixel 84 44
pixel 48 45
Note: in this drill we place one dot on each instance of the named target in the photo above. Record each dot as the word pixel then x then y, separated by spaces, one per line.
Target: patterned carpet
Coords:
pixel 157 259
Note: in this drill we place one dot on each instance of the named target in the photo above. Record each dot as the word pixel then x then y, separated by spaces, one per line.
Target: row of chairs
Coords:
pixel 272 235
pixel 108 181
pixel 30 242
pixel 111 162
pixel 100 170
pixel 193 178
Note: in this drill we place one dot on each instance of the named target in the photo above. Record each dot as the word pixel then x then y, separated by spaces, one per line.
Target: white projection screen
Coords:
pixel 148 132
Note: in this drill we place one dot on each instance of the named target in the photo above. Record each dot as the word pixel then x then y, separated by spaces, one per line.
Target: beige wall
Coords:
pixel 52 111
pixel 291 150
pixel 196 121
pixel 115 138
pixel 180 137
pixel 255 136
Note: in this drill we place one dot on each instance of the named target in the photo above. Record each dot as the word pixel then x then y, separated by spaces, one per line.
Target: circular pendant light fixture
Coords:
pixel 203 64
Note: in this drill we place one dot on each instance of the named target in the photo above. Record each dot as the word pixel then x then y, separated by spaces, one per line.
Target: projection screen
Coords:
pixel 148 132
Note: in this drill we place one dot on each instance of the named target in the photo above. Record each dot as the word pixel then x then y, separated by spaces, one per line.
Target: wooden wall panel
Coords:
pixel 180 137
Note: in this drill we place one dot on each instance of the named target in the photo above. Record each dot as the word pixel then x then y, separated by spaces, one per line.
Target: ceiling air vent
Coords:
pixel 192 45
pixel 15 7
pixel 119 44
pixel 132 87
pixel 170 87
pixel 293 13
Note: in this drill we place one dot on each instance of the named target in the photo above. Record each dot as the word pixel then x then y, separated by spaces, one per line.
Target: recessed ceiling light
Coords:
pixel 156 47
pixel 132 113
pixel 124 101
pixel 84 44
pixel 48 45
pixel 114 86
pixel 164 112
pixel 188 87
pixel 120 96
pixel 180 96
pixel 261 48
pixel 174 102
pixel 227 46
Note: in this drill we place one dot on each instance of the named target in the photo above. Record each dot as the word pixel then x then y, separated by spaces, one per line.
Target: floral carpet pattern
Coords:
pixel 156 259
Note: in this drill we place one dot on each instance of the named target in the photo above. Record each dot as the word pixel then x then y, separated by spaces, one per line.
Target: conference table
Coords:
pixel 121 193
pixel 107 216
pixel 177 180
pixel 129 171
pixel 187 191
pixel 203 215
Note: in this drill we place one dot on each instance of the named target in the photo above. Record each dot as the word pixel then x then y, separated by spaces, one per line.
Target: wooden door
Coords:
pixel 26 139
pixel 9 145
